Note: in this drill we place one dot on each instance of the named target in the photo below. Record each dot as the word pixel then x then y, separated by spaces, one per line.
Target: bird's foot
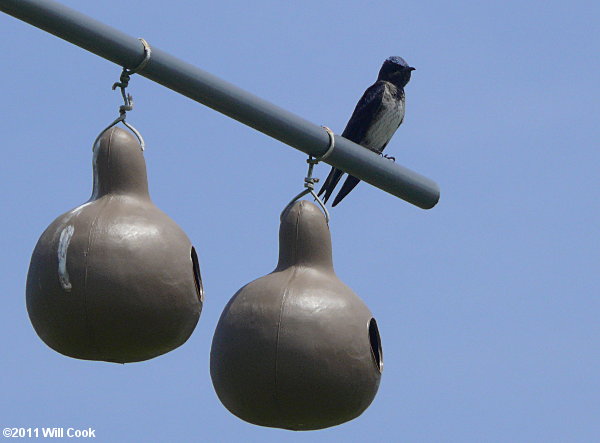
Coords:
pixel 389 157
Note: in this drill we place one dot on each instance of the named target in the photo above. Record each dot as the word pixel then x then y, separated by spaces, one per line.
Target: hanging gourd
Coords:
pixel 297 349
pixel 115 279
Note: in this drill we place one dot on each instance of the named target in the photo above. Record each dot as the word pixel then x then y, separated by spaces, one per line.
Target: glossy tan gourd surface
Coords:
pixel 297 349
pixel 114 278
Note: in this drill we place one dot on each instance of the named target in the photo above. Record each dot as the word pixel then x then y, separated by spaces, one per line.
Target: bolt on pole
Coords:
pixel 228 99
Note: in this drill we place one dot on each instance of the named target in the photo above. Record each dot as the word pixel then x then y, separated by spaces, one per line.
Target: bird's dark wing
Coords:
pixel 365 111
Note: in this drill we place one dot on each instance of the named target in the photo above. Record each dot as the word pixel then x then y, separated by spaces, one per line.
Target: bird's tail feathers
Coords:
pixel 348 186
pixel 330 183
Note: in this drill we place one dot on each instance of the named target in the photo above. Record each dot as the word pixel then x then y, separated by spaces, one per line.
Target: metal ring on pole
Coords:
pixel 147 54
pixel 331 144
pixel 127 73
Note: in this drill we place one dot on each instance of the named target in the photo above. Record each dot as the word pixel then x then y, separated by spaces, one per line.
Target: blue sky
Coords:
pixel 487 305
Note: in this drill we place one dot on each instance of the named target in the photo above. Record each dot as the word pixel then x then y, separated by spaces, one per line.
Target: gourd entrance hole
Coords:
pixel 375 340
pixel 197 276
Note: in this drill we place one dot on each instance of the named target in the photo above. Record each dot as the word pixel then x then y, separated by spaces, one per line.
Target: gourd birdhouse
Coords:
pixel 297 349
pixel 115 279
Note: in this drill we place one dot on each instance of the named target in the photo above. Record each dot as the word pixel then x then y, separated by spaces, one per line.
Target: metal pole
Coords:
pixel 224 97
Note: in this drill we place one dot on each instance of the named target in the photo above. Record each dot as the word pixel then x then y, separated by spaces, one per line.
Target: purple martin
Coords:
pixel 377 115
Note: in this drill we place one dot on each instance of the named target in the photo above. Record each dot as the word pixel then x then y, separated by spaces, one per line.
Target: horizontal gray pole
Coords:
pixel 175 74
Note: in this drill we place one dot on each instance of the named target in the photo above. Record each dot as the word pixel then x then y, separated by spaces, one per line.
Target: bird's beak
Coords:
pixel 412 69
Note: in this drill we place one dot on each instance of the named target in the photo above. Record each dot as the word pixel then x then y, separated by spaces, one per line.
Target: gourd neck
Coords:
pixel 304 238
pixel 119 166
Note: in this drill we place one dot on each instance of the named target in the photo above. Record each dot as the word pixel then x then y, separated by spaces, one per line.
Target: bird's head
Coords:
pixel 395 70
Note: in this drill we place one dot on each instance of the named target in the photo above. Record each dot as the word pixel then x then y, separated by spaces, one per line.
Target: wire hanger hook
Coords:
pixel 309 180
pixel 127 98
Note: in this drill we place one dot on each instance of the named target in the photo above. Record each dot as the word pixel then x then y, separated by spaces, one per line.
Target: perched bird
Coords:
pixel 377 115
